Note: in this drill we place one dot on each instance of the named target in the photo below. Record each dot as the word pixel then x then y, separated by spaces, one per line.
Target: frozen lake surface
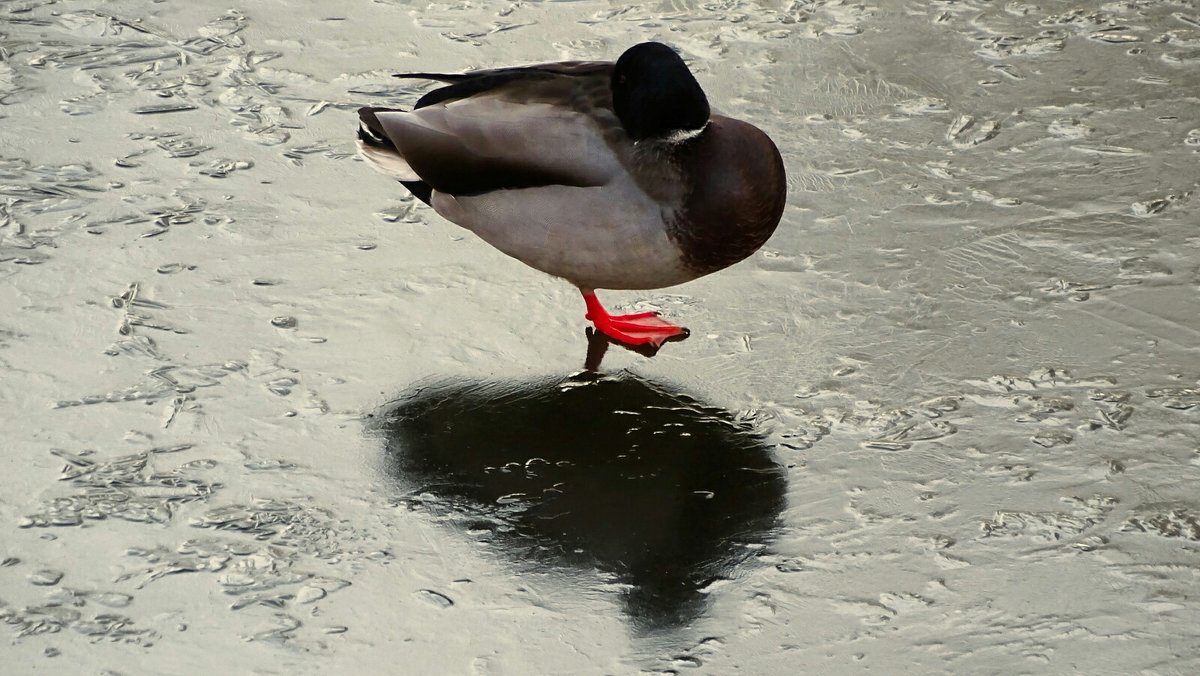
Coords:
pixel 263 413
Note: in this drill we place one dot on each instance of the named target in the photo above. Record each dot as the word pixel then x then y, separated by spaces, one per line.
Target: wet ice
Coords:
pixel 966 365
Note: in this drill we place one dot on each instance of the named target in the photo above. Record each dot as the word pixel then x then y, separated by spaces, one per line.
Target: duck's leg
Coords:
pixel 639 328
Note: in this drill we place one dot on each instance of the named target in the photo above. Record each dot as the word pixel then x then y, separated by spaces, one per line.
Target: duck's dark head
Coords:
pixel 655 95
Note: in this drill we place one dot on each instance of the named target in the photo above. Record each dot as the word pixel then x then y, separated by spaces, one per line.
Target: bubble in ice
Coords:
pixel 434 598
pixel 46 577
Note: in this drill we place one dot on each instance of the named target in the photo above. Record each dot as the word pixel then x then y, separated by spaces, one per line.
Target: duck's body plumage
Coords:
pixel 608 175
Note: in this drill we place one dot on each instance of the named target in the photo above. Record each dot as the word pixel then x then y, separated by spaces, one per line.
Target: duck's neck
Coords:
pixel 680 135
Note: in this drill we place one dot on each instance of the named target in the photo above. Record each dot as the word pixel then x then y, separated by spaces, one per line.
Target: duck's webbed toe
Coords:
pixel 639 328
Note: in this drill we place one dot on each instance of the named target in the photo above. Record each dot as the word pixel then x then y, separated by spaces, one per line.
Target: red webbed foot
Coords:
pixel 639 328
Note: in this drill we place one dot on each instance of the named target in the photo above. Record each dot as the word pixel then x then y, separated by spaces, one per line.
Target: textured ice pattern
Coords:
pixel 263 413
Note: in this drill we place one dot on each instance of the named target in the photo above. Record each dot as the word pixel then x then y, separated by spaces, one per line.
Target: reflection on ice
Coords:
pixel 646 484
pixel 975 336
pixel 598 346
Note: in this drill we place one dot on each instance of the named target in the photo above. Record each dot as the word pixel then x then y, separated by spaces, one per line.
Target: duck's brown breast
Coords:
pixel 736 191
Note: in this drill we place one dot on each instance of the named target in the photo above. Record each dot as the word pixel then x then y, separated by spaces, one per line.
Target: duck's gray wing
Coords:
pixel 529 131
pixel 465 85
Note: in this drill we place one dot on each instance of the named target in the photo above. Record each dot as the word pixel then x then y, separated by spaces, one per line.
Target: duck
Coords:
pixel 609 175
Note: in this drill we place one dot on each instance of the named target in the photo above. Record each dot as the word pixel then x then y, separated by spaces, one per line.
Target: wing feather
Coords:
pixel 485 143
pixel 465 85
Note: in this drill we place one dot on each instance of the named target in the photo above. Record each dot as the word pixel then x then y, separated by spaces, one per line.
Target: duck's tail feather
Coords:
pixel 378 151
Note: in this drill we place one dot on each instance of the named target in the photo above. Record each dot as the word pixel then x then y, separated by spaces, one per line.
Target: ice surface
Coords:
pixel 264 413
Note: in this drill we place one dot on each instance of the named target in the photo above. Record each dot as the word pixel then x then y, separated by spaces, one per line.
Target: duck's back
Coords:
pixel 536 163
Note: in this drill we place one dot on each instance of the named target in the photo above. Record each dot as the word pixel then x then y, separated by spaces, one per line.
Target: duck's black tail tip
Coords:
pixel 371 133
pixel 370 130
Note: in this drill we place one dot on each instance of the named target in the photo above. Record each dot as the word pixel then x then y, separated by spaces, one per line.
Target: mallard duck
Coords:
pixel 608 175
